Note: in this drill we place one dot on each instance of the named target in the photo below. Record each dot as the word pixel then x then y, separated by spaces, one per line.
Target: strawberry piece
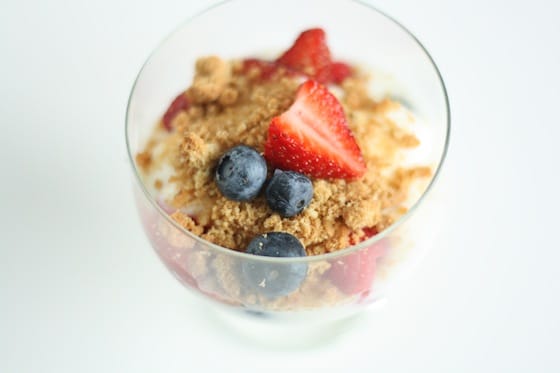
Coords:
pixel 340 71
pixel 369 232
pixel 179 104
pixel 312 137
pixel 310 55
pixel 354 273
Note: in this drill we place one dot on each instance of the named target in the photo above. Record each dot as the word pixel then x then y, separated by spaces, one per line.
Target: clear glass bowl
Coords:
pixel 357 33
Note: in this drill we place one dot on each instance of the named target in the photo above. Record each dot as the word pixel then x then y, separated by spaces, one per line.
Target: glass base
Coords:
pixel 293 331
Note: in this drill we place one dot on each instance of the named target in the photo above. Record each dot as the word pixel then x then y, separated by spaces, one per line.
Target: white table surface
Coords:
pixel 81 290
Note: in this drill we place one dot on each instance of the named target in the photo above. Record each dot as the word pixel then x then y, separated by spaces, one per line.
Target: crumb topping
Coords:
pixel 230 107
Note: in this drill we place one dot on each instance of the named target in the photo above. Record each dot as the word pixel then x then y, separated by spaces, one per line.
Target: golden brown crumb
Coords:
pixel 187 222
pixel 231 109
pixel 226 275
pixel 144 159
pixel 356 96
pixel 228 96
pixel 211 78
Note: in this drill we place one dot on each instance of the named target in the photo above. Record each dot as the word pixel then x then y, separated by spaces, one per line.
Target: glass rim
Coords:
pixel 306 259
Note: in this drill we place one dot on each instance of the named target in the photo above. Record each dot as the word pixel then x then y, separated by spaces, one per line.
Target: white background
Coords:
pixel 81 290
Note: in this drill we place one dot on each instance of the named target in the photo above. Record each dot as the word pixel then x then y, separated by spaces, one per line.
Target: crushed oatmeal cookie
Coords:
pixel 228 96
pixel 231 107
pixel 355 93
pixel 187 222
pixel 211 78
pixel 144 159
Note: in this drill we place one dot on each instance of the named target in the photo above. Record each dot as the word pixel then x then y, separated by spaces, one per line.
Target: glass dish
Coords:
pixel 356 32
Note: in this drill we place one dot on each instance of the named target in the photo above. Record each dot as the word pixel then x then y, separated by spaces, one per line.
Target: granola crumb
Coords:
pixel 229 108
pixel 144 159
pixel 227 275
pixel 210 80
pixel 228 96
pixel 187 222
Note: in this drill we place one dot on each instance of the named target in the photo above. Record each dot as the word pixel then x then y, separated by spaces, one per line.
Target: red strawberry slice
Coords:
pixel 312 137
pixel 340 71
pixel 179 104
pixel 354 273
pixel 310 55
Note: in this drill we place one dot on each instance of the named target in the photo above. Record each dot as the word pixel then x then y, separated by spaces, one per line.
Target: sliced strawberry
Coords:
pixel 309 55
pixel 340 71
pixel 354 273
pixel 312 137
pixel 179 104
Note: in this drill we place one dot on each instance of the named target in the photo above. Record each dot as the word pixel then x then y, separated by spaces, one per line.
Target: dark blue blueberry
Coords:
pixel 274 279
pixel 289 192
pixel 241 173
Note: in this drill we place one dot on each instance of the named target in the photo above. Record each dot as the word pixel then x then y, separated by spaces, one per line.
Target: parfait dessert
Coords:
pixel 284 157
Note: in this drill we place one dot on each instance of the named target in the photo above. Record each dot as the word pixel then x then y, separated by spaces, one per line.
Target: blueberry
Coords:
pixel 274 279
pixel 241 173
pixel 289 192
